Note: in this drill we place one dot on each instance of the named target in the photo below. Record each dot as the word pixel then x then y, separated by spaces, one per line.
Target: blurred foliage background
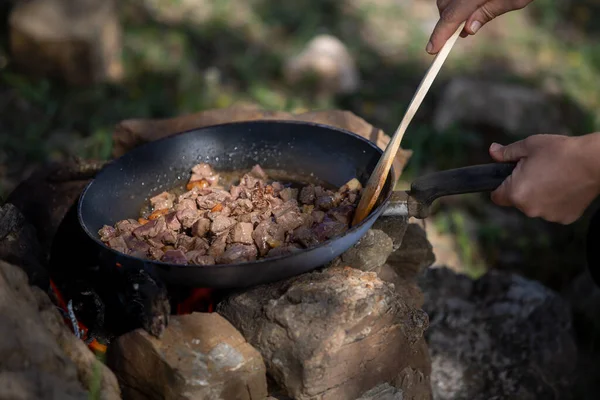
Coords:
pixel 183 56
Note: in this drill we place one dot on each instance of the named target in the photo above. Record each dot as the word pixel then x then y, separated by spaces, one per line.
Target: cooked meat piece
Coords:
pixel 186 204
pixel 172 222
pixel 304 236
pixel 201 244
pixel 325 202
pixel 235 192
pixel 217 247
pixel 221 224
pixel 258 172
pixel 284 208
pixel 107 232
pixel 201 227
pixel 289 194
pixel 127 225
pixel 342 214
pixel 307 194
pixel 321 191
pixel 242 233
pixel 162 201
pixel 204 171
pixel 218 210
pixel 137 247
pixel 209 201
pixel 151 229
pixel 174 257
pixel 328 229
pixel 155 253
pixel 273 201
pixel 259 199
pixel 268 235
pixel 290 220
pixel 185 242
pixel 238 253
pixel 250 182
pixel 283 250
pixel 167 237
pixel 318 216
pixel 241 206
pixel 254 218
pixel 118 243
pixel 188 216
pixel 277 187
pixel 199 258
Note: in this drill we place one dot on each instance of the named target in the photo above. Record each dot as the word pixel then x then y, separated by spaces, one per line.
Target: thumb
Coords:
pixel 511 152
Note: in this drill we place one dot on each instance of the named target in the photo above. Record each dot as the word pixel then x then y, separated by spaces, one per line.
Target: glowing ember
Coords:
pixel 79 329
pixel 200 300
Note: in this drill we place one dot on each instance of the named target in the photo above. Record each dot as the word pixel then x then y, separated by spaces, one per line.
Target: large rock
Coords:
pixel 499 337
pixel 134 132
pixel 200 356
pixel 333 334
pixel 37 348
pixel 516 110
pixel 19 245
pixel 78 41
pixel 327 60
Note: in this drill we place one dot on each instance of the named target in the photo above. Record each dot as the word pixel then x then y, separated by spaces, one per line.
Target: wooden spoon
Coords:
pixel 377 180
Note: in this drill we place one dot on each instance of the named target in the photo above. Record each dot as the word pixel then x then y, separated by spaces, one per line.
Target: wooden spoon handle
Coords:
pixel 379 175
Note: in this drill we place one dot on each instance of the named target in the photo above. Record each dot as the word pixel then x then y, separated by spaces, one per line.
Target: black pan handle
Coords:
pixel 473 179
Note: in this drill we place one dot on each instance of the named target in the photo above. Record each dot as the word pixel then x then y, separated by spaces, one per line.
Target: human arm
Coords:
pixel 556 177
pixel 476 13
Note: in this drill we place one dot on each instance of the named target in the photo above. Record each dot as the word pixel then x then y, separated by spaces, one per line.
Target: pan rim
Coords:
pixel 373 214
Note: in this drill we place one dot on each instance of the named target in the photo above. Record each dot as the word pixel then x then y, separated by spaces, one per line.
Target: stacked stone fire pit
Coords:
pixel 354 329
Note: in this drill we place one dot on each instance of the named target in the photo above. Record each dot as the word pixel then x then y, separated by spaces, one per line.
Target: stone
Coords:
pixel 131 133
pixel 406 288
pixel 414 254
pixel 19 245
pixel 327 60
pixel 331 334
pixel 370 252
pixel 38 348
pixel 200 356
pixel 38 385
pixel 57 187
pixel 77 41
pixel 501 336
pixel 394 227
pixel 516 110
pixel 382 392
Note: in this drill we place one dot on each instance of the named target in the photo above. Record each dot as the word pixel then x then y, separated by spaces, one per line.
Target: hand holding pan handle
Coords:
pixel 425 190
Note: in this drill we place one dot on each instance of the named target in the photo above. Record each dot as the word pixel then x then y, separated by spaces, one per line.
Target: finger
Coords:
pixel 500 196
pixel 511 152
pixel 442 4
pixel 490 10
pixel 453 15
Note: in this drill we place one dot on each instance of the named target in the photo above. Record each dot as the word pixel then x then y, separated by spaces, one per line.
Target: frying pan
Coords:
pixel 333 155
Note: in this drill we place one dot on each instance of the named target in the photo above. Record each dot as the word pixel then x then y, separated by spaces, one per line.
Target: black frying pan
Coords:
pixel 332 155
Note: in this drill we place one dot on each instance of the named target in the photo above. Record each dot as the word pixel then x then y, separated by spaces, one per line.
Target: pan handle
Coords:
pixel 472 179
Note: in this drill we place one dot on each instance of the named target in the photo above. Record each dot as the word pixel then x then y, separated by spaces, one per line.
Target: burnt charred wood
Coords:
pixel 19 245
pixel 110 301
